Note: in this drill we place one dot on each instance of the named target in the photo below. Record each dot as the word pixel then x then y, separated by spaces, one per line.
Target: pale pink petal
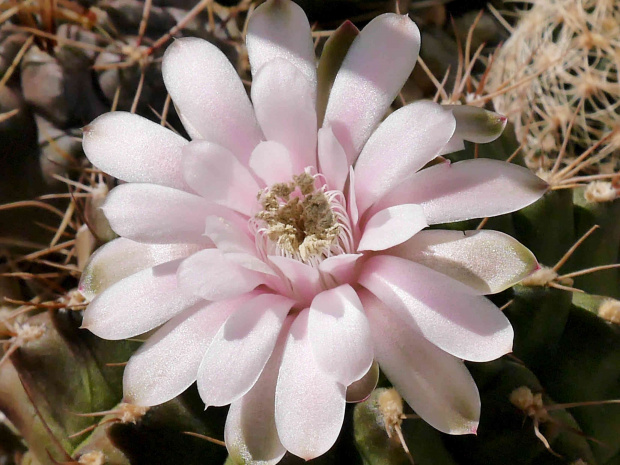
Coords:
pixel 241 348
pixel 251 435
pixel 303 280
pixel 435 384
pixel 392 226
pixel 352 206
pixel 340 267
pixel 216 174
pixel 210 96
pixel 487 261
pixel 272 162
pixel 227 237
pixel 123 257
pixel 309 403
pixel 280 29
pixel 373 72
pixel 339 334
pixel 212 276
pixel 446 312
pixel 167 363
pixel 333 160
pixel 361 389
pixel 284 105
pixel 134 149
pixel 468 189
pixel 158 215
pixel 251 262
pixel 406 141
pixel 137 303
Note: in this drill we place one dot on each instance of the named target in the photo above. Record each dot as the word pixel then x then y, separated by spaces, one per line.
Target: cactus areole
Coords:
pixel 279 253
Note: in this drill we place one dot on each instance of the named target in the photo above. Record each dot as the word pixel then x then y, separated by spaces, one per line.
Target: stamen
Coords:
pixel 302 222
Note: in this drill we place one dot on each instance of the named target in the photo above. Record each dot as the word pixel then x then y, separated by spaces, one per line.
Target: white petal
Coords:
pixel 361 389
pixel 392 226
pixel 447 312
pixel 435 384
pixel 121 258
pixel 227 237
pixel 134 149
pixel 309 403
pixel 468 189
pixel 333 159
pixel 373 72
pixel 210 96
pixel 212 276
pixel 159 215
pixel 280 29
pixel 340 267
pixel 284 105
pixel 250 433
pixel 167 363
pixel 487 261
pixel 272 162
pixel 241 348
pixel 339 334
pixel 304 279
pixel 406 141
pixel 138 303
pixel 214 173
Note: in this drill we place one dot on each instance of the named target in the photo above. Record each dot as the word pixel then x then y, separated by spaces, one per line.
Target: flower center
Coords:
pixel 302 221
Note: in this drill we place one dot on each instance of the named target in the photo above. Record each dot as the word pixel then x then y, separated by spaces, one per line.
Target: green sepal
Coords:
pixel 334 51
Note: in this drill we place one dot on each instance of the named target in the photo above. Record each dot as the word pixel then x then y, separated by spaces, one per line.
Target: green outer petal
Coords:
pixel 477 124
pixel 334 51
pixel 487 261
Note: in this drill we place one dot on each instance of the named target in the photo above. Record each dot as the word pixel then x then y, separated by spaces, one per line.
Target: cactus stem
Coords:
pixel 574 247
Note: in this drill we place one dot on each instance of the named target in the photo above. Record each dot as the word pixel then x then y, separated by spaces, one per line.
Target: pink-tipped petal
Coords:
pixel 339 334
pixel 134 149
pixel 159 215
pixel 216 174
pixel 211 275
pixel 272 162
pixel 487 261
pixel 138 303
pixel 284 105
pixel 361 389
pixel 309 403
pixel 340 267
pixel 406 141
pixel 468 189
pixel 392 226
pixel 304 279
pixel 167 363
pixel 251 435
pixel 435 384
pixel 446 312
pixel 373 72
pixel 280 29
pixel 210 96
pixel 333 159
pixel 244 342
pixel 123 257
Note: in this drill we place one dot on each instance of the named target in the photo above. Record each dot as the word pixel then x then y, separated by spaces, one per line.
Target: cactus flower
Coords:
pixel 279 258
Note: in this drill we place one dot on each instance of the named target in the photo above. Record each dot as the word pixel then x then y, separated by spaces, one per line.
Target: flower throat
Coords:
pixel 300 221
